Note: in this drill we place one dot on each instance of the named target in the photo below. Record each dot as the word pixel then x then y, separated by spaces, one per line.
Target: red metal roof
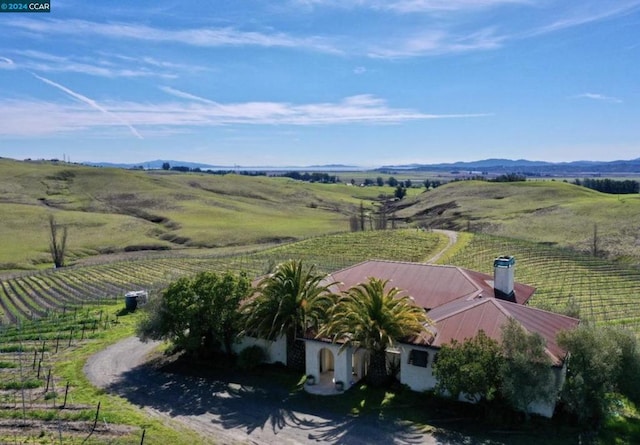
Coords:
pixel 463 320
pixel 429 285
pixel 461 302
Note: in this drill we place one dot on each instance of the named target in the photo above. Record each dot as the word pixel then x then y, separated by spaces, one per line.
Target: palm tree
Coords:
pixel 289 302
pixel 368 317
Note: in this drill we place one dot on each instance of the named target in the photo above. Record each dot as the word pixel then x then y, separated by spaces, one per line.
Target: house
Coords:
pixel 460 302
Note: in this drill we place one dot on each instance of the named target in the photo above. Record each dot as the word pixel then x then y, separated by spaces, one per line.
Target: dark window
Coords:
pixel 418 358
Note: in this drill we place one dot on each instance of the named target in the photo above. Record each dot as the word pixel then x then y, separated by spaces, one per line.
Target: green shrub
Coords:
pixel 251 357
pixel 26 384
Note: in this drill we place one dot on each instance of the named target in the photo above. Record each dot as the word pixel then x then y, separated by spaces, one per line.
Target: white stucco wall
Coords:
pixel 416 377
pixel 342 361
pixel 276 350
pixel 546 409
pixel 422 379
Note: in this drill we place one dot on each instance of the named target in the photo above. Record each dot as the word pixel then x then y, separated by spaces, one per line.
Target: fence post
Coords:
pixel 66 393
pixel 46 390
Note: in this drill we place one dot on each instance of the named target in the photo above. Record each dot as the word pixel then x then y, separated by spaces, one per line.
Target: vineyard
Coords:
pixel 35 295
pixel 36 401
pixel 49 315
pixel 606 292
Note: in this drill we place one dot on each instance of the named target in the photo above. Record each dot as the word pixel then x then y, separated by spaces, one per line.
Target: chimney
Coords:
pixel 503 277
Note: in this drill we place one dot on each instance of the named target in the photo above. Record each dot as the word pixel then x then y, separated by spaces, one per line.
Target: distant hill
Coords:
pixel 157 165
pixel 494 166
pixel 530 168
pixel 553 212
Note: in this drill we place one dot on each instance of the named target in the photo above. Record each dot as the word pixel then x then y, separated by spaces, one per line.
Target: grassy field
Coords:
pixel 553 212
pixel 111 210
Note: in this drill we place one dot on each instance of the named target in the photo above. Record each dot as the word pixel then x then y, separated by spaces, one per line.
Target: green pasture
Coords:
pixel 540 211
pixel 110 210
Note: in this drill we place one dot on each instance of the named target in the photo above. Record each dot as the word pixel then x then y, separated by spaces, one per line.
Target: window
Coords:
pixel 419 358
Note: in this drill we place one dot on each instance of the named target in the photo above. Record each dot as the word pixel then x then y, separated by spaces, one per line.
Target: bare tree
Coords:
pixel 362 216
pixel 57 247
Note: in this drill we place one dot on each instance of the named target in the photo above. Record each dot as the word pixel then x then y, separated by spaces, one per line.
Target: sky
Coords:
pixel 316 82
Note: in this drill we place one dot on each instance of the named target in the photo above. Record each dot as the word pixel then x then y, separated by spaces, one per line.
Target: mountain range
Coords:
pixel 486 166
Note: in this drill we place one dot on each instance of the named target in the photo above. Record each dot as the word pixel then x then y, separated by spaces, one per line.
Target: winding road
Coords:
pixel 230 412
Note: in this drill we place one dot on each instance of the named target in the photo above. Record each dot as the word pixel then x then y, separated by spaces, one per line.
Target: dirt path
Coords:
pixel 453 238
pixel 233 413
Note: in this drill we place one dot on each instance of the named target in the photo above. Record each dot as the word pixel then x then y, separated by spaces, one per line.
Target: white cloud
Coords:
pixel 437 43
pixel 92 103
pixel 585 13
pixel 598 97
pixel 204 37
pixel 101 66
pixel 6 63
pixel 409 6
pixel 412 6
pixel 24 118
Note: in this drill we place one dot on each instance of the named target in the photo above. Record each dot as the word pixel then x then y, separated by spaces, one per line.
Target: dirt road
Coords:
pixel 233 413
pixel 453 238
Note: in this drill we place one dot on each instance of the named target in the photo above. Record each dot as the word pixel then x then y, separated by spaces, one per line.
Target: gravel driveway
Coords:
pixel 232 413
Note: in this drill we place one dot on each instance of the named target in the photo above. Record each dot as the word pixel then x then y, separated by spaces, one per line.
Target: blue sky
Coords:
pixel 304 82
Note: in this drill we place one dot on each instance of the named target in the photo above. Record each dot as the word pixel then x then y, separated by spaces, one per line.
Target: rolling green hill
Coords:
pixel 111 210
pixel 108 211
pixel 552 212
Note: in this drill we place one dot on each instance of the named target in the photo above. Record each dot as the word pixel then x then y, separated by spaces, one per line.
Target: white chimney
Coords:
pixel 503 276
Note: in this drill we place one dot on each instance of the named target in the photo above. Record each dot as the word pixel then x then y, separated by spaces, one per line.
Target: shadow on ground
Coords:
pixel 261 408
pixel 247 403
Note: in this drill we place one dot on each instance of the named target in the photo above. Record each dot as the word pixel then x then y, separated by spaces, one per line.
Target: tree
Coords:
pixel 291 301
pixel 601 361
pixel 470 368
pixel 627 380
pixel 379 181
pixel 526 370
pixel 199 315
pixel 370 317
pixel 393 182
pixel 354 224
pixel 400 192
pixel 592 368
pixel 166 166
pixel 57 246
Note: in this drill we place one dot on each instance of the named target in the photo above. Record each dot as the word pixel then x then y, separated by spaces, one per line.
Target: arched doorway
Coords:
pixel 326 362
